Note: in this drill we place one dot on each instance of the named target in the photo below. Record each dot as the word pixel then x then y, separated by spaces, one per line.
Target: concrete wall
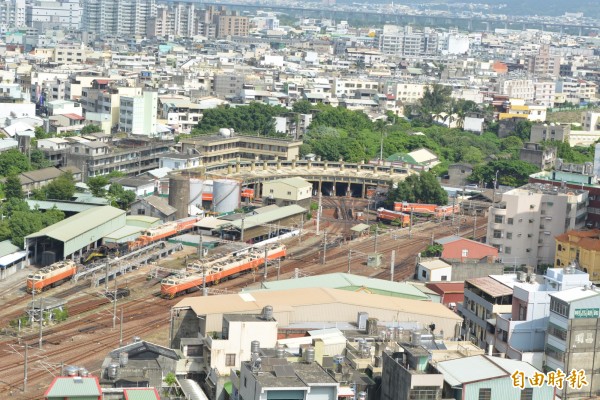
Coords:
pixel 464 271
pixel 502 389
pixel 184 324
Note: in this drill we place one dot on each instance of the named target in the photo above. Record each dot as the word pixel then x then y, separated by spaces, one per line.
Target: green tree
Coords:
pixel 256 118
pixel 510 172
pixel 62 188
pixel 13 188
pixel 523 130
pixel 120 197
pixel 38 160
pixel 97 185
pixel 512 145
pixel 90 129
pixel 40 133
pixel 23 223
pixel 421 188
pixel 433 250
pixel 13 162
pixel 302 107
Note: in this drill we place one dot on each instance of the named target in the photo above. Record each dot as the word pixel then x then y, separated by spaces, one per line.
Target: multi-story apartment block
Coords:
pixel 105 98
pixel 403 41
pixel 572 338
pixel 590 121
pixel 408 93
pixel 132 157
pixel 544 93
pixel 175 19
pixel 219 148
pixel 48 14
pixel 544 63
pixel 550 132
pixel 522 226
pixel 228 85
pixel 576 90
pixel 345 87
pixel 485 298
pixel 137 115
pixel 518 89
pixel 232 24
pixel 123 18
pixel 538 155
pixel 181 114
pixel 520 333
pixel 70 54
pixel 12 14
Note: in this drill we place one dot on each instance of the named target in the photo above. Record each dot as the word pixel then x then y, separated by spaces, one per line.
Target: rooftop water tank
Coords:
pixel 309 355
pixel 255 346
pixel 71 371
pixel 267 313
pixel 123 358
pixel 112 370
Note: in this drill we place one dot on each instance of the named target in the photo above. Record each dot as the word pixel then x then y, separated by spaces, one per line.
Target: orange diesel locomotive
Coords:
pixel 164 231
pixel 51 276
pixel 218 270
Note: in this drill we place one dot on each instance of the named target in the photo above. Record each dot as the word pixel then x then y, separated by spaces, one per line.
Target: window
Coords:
pixel 141 211
pixel 444 278
pixel 289 193
pixel 497 234
pixel 485 394
pixel 465 252
pixel 559 307
pixel 245 382
pixel 499 219
pixel 507 250
pixel 527 394
pixel 557 331
pixel 424 274
pixel 522 312
pixel 230 360
pixel 509 235
pixel 554 353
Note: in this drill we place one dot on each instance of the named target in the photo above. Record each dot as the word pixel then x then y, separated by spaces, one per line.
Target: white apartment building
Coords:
pixel 70 54
pixel 121 17
pixel 521 333
pixel 137 115
pixel 590 121
pixel 576 90
pixel 47 14
pixel 12 14
pixel 518 88
pixel 544 93
pixel 408 93
pixel 522 226
pixel 403 41
pixel 348 87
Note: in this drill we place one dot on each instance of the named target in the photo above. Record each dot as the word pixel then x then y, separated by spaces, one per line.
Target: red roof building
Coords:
pixel 460 249
pixel 451 293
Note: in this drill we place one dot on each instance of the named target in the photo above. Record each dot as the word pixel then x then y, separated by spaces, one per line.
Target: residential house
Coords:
pixel 153 206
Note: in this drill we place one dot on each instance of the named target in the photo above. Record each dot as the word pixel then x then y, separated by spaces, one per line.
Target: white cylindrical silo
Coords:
pixel 226 195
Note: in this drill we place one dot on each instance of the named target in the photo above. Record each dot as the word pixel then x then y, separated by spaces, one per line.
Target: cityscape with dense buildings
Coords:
pixel 323 200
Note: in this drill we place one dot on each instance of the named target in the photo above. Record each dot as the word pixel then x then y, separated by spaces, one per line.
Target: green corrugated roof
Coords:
pixel 64 387
pixel 404 157
pixel 124 232
pixel 61 205
pixel 6 248
pixel 79 224
pixel 143 221
pixel 352 283
pixel 268 217
pixel 228 387
pixel 141 394
pixel 296 182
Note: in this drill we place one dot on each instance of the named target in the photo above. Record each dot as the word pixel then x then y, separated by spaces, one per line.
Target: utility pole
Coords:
pixel 319 214
pixel 266 262
pixel 41 320
pixel 25 368
pixel 204 292
pixel 392 266
pixel 106 277
pixel 115 304
pixel 432 238
pixel 474 225
pixel 301 229
pixel 410 223
pixel 349 259
pixel 200 249
pixel 278 267
pixel 375 243
pixel 242 228
pixel 324 246
pixel 453 205
pixel 121 330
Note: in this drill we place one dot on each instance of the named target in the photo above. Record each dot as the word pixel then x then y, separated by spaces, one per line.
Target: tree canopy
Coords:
pixel 256 118
pixel 510 173
pixel 62 188
pixel 13 162
pixel 21 221
pixel 97 185
pixel 418 188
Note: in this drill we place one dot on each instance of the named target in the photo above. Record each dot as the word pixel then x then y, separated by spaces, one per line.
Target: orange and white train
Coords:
pixel 218 270
pixel 51 276
pixel 427 209
pixel 163 231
